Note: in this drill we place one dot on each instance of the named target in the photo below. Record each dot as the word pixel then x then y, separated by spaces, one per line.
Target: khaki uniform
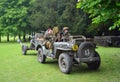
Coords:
pixel 65 37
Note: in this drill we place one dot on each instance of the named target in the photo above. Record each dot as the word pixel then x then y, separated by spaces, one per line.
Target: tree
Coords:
pixel 58 13
pixel 1 32
pixel 102 12
pixel 75 19
pixel 13 16
pixel 43 14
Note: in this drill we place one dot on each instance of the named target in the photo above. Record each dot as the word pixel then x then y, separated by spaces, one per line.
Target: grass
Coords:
pixel 15 67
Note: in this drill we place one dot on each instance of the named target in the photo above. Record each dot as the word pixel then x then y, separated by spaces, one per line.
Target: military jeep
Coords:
pixel 77 50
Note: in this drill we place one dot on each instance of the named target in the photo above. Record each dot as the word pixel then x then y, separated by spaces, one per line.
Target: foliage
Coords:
pixel 13 15
pixel 43 14
pixel 18 17
pixel 58 13
pixel 102 11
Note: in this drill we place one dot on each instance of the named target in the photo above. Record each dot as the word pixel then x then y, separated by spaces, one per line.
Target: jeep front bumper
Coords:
pixel 85 60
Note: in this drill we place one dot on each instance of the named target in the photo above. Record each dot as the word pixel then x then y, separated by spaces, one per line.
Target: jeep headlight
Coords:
pixel 64 46
pixel 75 47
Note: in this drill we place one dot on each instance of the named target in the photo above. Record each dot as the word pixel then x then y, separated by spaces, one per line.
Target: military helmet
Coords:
pixel 65 28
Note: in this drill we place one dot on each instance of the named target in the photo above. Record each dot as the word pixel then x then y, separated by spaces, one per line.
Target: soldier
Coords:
pixel 65 34
pixel 56 34
pixel 48 34
pixel 48 38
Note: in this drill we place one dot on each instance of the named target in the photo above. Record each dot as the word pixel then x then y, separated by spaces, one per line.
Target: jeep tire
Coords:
pixel 65 63
pixel 96 64
pixel 41 56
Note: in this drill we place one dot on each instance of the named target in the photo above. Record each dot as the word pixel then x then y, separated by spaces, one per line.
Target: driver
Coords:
pixel 65 35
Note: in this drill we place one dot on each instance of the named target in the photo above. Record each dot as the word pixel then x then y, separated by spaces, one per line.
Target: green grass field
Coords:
pixel 15 67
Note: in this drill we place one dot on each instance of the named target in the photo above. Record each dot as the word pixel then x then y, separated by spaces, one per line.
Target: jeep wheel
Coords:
pixel 96 64
pixel 41 56
pixel 65 63
pixel 24 49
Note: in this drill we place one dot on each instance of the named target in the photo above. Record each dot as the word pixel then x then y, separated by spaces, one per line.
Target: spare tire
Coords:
pixel 86 49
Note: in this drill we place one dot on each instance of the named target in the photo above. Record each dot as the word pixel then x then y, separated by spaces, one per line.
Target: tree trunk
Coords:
pixel 8 37
pixel 19 36
pixel 14 38
pixel 24 37
pixel 0 37
pixel 29 38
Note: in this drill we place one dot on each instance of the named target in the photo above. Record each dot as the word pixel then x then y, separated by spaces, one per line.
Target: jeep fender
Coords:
pixel 61 50
pixel 38 46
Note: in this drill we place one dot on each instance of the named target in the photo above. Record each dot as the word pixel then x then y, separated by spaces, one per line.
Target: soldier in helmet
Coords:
pixel 65 35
